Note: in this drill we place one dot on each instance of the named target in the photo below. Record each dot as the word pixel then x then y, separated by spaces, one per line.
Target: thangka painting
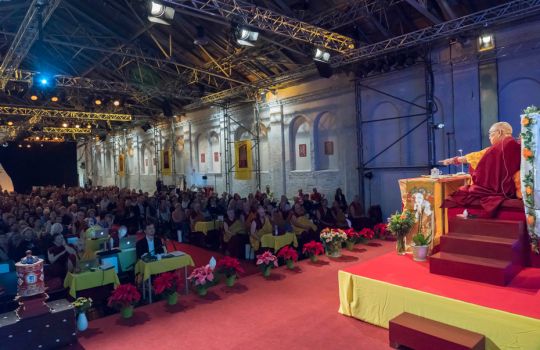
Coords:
pixel 419 198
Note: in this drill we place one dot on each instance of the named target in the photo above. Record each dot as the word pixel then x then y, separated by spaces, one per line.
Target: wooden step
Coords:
pixel 487 227
pixel 481 269
pixel 501 248
pixel 420 333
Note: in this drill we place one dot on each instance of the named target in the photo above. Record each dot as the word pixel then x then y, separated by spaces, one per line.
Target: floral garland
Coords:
pixel 528 119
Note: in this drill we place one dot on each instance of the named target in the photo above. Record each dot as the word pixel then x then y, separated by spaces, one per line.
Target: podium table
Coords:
pixel 424 197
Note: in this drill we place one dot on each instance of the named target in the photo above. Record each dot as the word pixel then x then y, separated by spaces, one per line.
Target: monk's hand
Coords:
pixel 448 161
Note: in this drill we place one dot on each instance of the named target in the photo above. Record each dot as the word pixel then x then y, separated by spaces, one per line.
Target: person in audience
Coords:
pixel 278 220
pixel 4 247
pixel 315 196
pixel 260 226
pixel 340 198
pixel 356 213
pixel 62 257
pixel 234 234
pixel 324 215
pixel 339 216
pixel 302 226
pixel 150 244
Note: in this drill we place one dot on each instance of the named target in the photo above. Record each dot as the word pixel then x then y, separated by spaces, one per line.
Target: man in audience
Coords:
pixel 150 244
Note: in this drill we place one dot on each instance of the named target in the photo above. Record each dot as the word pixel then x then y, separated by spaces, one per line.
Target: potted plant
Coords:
pixel 167 284
pixel 124 297
pixel 352 238
pixel 332 240
pixel 289 254
pixel 81 305
pixel 381 231
pixel 420 246
pixel 266 261
pixel 312 249
pixel 400 225
pixel 202 277
pixel 230 268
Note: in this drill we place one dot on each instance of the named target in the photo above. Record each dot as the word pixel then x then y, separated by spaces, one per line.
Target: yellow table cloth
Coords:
pixel 278 242
pixel 90 279
pixel 205 226
pixel 148 269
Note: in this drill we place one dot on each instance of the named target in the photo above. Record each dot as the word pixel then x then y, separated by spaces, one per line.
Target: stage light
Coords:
pixel 116 103
pixel 159 13
pixel 486 42
pixel 438 126
pixel 37 138
pixel 246 37
pixel 64 125
pixel 201 38
pixel 321 55
pixel 34 97
pixel 55 138
pixel 28 146
pixel 41 145
pixel 77 126
pixel 20 146
pixel 97 102
pixel 55 99
pixel 44 81
pixel 10 123
pixel 89 126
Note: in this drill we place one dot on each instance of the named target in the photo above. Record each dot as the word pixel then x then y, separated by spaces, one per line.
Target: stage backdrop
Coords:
pixel 52 164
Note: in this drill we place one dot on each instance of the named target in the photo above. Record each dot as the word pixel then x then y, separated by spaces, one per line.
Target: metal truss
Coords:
pixel 268 20
pixel 36 16
pixel 59 114
pixel 492 16
pixel 13 130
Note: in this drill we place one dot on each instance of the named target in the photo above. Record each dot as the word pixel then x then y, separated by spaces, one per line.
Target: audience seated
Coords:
pixel 150 244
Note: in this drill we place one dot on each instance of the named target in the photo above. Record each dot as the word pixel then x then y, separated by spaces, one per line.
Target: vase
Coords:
pixel 290 264
pixel 82 322
pixel 350 245
pixel 420 252
pixel 400 244
pixel 266 271
pixel 202 290
pixel 230 280
pixel 333 249
pixel 313 258
pixel 172 298
pixel 127 311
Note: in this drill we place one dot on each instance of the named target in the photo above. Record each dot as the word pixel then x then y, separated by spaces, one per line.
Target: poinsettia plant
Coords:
pixel 313 248
pixel 123 296
pixel 229 266
pixel 202 275
pixel 366 233
pixel 288 253
pixel 166 283
pixel 380 230
pixel 267 259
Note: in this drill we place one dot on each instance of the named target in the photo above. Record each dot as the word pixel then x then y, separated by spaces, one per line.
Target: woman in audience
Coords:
pixel 324 215
pixel 302 226
pixel 340 198
pixel 63 257
pixel 339 217
pixel 260 226
pixel 234 234
pixel 356 213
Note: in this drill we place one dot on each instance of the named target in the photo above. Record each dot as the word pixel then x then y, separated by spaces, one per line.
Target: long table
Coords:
pixel 89 279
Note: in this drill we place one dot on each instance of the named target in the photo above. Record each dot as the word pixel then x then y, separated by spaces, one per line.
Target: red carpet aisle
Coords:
pixel 296 310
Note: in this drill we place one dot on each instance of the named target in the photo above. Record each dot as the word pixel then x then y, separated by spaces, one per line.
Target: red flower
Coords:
pixel 367 233
pixel 124 295
pixel 288 253
pixel 229 266
pixel 166 283
pixel 313 248
pixel 381 230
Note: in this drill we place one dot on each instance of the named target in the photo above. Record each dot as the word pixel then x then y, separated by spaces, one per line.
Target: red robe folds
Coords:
pixel 493 180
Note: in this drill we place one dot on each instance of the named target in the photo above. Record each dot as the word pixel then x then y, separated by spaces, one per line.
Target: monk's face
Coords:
pixel 495 135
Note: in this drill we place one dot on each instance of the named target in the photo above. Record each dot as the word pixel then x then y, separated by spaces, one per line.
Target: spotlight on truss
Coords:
pixel 159 13
pixel 246 36
pixel 321 55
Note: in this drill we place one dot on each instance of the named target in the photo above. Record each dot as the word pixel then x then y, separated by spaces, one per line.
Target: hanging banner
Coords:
pixel 243 160
pixel 121 165
pixel 166 162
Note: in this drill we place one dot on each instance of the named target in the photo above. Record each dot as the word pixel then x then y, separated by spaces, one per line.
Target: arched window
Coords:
pixel 300 144
pixel 325 142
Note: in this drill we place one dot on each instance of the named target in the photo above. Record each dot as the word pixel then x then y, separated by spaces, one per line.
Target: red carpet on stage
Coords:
pixel 521 296
pixel 292 309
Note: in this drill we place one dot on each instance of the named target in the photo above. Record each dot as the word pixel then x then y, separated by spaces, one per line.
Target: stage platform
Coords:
pixel 382 288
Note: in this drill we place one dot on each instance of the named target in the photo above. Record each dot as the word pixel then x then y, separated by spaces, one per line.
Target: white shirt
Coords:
pixel 151 248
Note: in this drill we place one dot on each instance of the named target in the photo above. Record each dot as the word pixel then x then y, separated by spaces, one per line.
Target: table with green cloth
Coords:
pixel 278 242
pixel 205 226
pixel 89 279
pixel 126 258
pixel 148 269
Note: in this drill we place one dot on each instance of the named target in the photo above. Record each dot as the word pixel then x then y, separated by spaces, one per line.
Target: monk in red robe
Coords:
pixel 494 172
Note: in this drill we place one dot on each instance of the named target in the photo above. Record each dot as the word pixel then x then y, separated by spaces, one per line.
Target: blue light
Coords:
pixel 44 81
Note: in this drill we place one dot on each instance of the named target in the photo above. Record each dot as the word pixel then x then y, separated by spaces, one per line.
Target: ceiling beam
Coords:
pixel 421 6
pixel 63 114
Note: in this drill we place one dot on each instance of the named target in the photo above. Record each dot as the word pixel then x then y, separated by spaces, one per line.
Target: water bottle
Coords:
pixel 111 243
pixel 276 231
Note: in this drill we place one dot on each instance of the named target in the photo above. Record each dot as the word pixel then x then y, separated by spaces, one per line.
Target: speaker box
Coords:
pixel 325 70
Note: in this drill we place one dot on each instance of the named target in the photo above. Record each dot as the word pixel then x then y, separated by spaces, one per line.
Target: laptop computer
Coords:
pixel 101 233
pixel 88 265
pixel 72 240
pixel 128 243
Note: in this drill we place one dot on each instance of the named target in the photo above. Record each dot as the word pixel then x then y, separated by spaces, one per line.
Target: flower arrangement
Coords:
pixel 166 283
pixel 528 143
pixel 380 230
pixel 82 304
pixel 123 298
pixel 330 235
pixel 399 225
pixel 202 277
pixel 266 261
pixel 288 254
pixel 229 266
pixel 312 249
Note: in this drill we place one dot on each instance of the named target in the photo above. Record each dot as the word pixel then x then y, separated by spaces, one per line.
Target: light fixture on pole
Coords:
pixel 246 36
pixel 321 55
pixel 486 42
pixel 159 13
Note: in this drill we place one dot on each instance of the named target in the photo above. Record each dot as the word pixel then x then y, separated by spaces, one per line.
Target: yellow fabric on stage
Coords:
pixel 378 302
pixel 278 242
pixel 243 165
pixel 91 246
pixel 205 226
pixel 90 279
pixel 164 265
